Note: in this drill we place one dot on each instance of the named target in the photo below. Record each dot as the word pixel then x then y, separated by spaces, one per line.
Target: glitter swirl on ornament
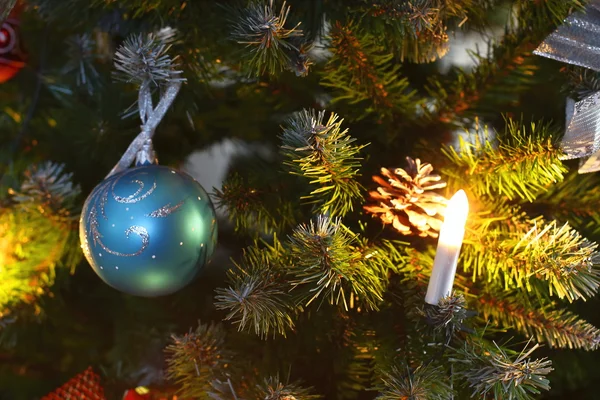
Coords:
pixel 109 187
pixel 165 210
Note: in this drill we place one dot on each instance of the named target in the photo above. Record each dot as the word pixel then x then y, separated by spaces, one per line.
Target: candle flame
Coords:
pixel 452 230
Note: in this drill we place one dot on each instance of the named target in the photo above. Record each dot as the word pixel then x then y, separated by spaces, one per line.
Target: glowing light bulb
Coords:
pixel 448 249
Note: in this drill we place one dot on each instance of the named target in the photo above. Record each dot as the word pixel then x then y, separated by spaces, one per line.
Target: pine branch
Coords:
pixel 535 255
pixel 49 190
pixel 582 81
pixel 500 372
pixel 548 13
pixel 258 296
pixel 422 383
pixel 223 390
pixel 323 154
pixel 274 389
pixel 416 29
pixel 144 58
pixel 32 245
pixel 81 57
pixel 360 71
pixel 196 359
pixel 522 162
pixel 559 328
pixel 507 70
pixel 358 348
pixel 447 316
pixel 501 75
pixel 255 203
pixel 271 45
pixel 6 7
pixel 327 264
pixel 581 210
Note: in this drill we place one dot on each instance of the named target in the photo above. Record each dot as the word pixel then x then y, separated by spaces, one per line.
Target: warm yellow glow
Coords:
pixel 453 228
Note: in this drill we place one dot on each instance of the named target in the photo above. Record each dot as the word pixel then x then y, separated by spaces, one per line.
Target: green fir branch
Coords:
pixel 548 13
pixel 423 383
pixel 416 30
pixel 500 77
pixel 195 359
pixel 558 328
pixel 505 72
pixel 81 58
pixel 257 298
pixel 580 210
pixel 328 264
pixel 501 373
pixel 254 203
pixel 274 389
pixel 361 72
pixel 534 255
pixel 358 353
pixel 144 58
pixel 583 82
pixel 268 41
pixel 48 189
pixel 32 246
pixel 325 155
pixel 448 315
pixel 521 162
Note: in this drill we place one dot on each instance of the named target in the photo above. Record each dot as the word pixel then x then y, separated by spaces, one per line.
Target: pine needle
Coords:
pixel 328 264
pixel 519 163
pixel 257 298
pixel 323 153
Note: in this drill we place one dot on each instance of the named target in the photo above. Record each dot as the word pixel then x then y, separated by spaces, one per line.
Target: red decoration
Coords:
pixel 132 394
pixel 12 58
pixel 149 393
pixel 85 386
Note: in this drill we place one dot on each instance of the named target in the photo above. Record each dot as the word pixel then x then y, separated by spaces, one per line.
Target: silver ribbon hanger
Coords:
pixel 141 146
pixel 577 42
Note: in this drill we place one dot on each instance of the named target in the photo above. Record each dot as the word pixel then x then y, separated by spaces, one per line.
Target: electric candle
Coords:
pixel 448 249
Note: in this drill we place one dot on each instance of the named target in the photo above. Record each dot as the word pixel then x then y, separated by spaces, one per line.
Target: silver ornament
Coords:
pixel 577 40
pixel 590 164
pixel 582 136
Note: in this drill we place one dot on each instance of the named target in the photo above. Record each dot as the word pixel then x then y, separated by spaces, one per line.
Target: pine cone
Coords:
pixel 86 386
pixel 405 199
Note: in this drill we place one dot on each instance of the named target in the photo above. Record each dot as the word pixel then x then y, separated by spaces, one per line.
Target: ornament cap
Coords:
pixel 146 155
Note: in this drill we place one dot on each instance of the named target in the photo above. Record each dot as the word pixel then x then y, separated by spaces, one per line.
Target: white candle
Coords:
pixel 449 243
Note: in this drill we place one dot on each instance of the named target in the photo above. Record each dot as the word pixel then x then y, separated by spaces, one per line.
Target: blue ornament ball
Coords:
pixel 148 230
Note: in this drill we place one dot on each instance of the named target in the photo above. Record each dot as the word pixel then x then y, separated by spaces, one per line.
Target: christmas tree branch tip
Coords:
pixel 558 328
pixel 144 58
pixel 254 205
pixel 274 389
pixel 49 189
pixel 521 162
pixel 560 256
pixel 448 316
pixel 258 297
pixel 328 263
pixel 425 382
pixel 273 45
pixel 196 358
pixel 492 370
pixel 325 155
pixel 537 256
pixel 362 70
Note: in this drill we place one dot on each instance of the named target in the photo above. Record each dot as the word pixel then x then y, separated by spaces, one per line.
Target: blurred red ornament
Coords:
pixel 147 393
pixel 133 394
pixel 85 386
pixel 12 57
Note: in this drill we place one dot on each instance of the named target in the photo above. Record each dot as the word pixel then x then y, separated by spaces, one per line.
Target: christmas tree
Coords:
pixel 404 209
